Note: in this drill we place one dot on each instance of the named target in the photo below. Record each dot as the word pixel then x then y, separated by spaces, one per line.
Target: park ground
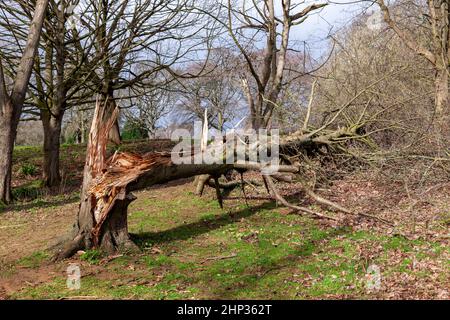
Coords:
pixel 193 249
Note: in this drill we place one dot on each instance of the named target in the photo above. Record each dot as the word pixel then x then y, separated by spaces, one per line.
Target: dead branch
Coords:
pixel 277 196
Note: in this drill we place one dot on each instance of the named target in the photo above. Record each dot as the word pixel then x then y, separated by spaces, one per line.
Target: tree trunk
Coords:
pixel 114 234
pixel 256 116
pixel 442 107
pixel 7 137
pixel 82 233
pixel 114 134
pixel 11 105
pixel 109 103
pixel 52 117
pixel 52 132
pixel 83 130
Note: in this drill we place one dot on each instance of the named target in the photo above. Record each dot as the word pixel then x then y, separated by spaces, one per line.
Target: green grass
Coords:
pixel 191 248
pixel 28 191
pixel 237 254
pixel 34 260
pixel 92 256
pixel 289 257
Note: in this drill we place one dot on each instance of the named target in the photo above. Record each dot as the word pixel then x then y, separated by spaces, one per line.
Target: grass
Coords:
pixel 192 249
pixel 34 260
pixel 29 191
pixel 237 254
pixel 92 256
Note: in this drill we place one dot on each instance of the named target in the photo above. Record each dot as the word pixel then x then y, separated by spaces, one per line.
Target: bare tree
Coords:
pixel 60 74
pixel 12 103
pixel 145 110
pixel 217 90
pixel 260 18
pixel 436 50
pixel 123 34
pixel 135 40
pixel 101 54
pixel 399 108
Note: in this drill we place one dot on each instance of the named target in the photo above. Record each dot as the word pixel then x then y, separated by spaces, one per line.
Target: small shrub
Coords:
pixel 31 190
pixel 91 256
pixel 28 169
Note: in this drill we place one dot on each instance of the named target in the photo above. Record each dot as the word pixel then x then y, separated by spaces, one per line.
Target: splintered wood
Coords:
pixel 121 169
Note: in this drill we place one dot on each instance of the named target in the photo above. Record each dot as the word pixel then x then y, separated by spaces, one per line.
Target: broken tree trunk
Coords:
pixel 108 183
pixel 102 218
pixel 107 186
pixel 94 165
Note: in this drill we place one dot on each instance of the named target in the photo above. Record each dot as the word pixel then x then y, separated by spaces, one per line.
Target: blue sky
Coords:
pixel 329 19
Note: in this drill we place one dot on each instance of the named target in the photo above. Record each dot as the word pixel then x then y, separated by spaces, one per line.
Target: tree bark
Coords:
pixel 11 105
pixel 114 134
pixel 442 107
pixel 7 137
pixel 109 103
pixel 52 132
pixel 114 232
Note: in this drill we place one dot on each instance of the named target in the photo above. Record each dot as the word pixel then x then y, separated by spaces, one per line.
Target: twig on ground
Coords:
pixel 279 197
pixel 234 255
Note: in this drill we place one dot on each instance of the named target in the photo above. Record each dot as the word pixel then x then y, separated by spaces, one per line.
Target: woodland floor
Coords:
pixel 192 249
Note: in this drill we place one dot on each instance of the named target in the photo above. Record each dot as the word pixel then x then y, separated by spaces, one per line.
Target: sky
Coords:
pixel 327 20
pixel 315 30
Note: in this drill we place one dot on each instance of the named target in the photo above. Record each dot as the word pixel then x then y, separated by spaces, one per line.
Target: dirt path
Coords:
pixel 35 227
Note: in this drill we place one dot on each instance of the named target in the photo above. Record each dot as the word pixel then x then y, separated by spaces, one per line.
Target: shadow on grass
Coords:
pixel 173 183
pixel 236 283
pixel 249 281
pixel 194 229
pixel 40 204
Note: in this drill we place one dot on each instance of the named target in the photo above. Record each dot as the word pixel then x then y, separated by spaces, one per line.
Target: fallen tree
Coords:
pixel 108 183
